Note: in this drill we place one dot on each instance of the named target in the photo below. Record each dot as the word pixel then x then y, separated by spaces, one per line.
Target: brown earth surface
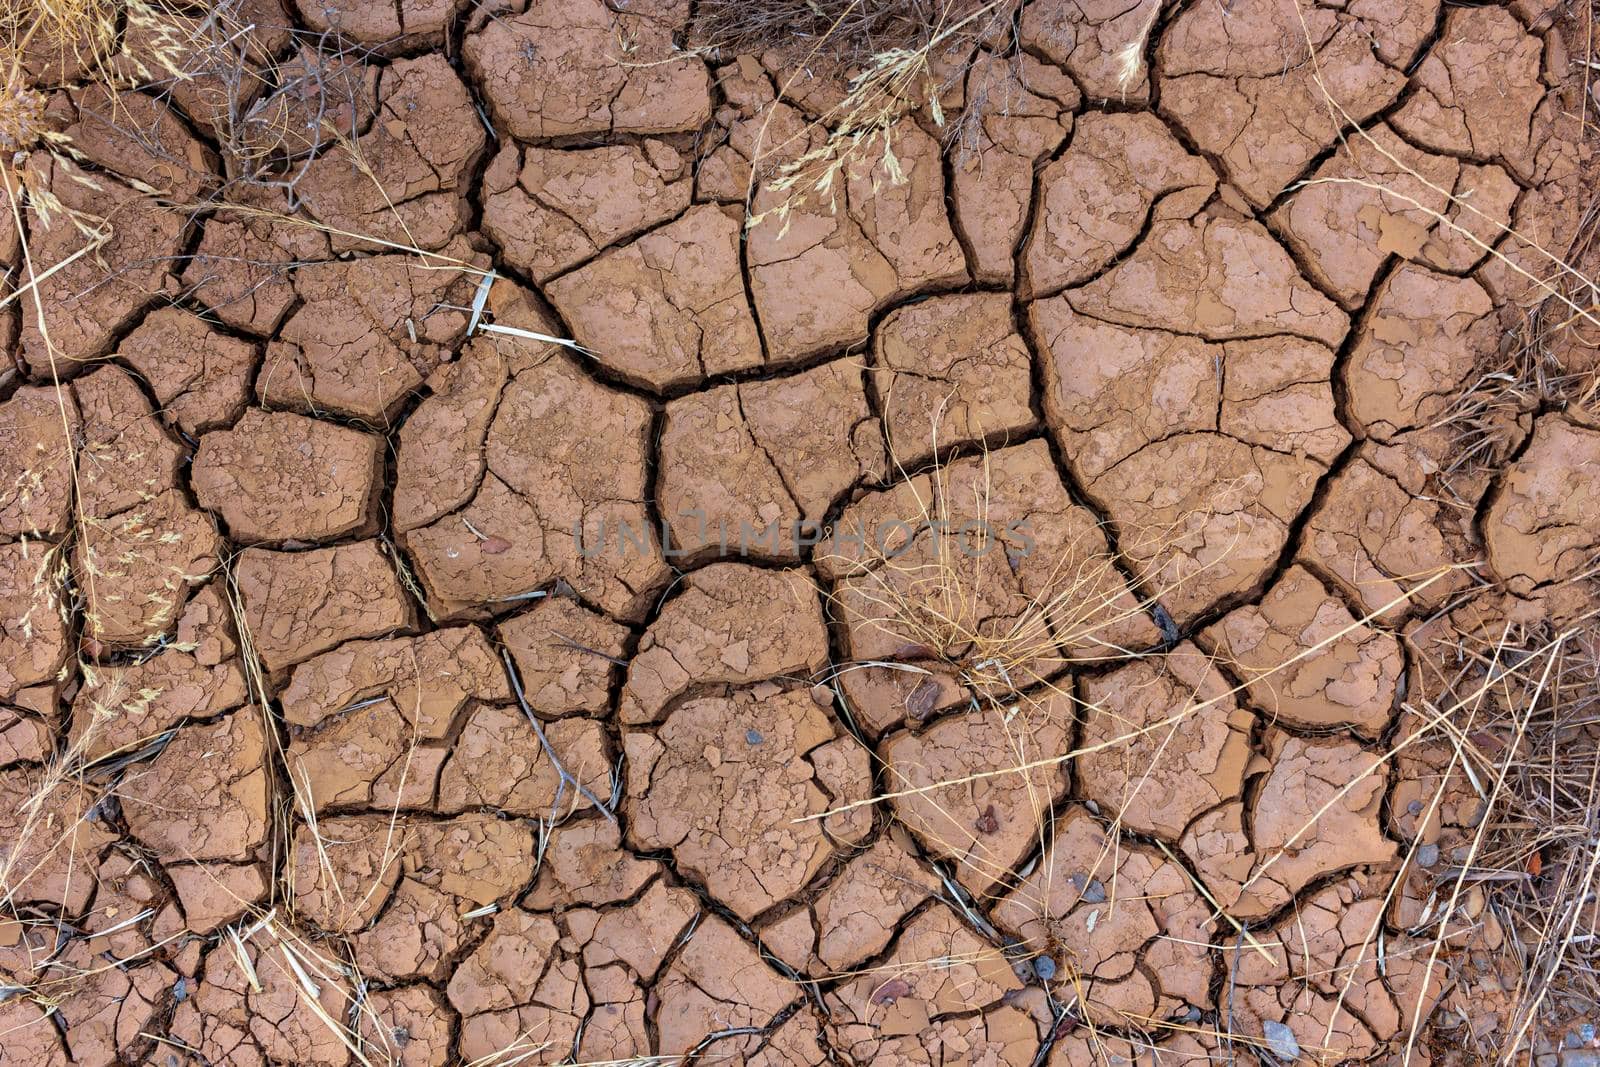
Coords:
pixel 967 621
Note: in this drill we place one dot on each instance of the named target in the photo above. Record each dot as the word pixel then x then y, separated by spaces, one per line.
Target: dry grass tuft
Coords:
pixel 889 58
pixel 1514 913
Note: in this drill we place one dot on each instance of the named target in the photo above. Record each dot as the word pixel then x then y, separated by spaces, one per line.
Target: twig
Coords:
pixel 549 750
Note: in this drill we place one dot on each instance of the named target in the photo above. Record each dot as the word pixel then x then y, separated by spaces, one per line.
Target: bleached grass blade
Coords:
pixel 532 335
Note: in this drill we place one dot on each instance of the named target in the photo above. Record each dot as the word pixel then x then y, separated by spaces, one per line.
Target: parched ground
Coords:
pixel 422 708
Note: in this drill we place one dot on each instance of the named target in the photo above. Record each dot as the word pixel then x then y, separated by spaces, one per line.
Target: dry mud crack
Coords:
pixel 971 621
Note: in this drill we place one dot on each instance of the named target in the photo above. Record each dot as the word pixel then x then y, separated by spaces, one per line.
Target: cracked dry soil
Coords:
pixel 339 618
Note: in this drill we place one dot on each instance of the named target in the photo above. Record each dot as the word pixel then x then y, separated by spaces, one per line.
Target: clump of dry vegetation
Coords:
pixel 1514 910
pixel 886 60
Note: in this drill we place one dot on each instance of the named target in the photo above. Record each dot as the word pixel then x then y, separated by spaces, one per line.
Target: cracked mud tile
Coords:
pixel 35 639
pixel 139 138
pixel 554 70
pixel 1424 338
pixel 83 316
pixel 498 762
pixel 563 499
pixel 940 996
pixel 432 677
pixel 518 983
pixel 1255 457
pixel 1377 197
pixel 817 274
pixel 405 25
pixel 35 508
pixel 1087 38
pixel 1122 171
pixel 1378 543
pixel 621 957
pixel 368 721
pixel 1244 83
pixel 372 756
pixel 107 1012
pixel 964 801
pixel 125 458
pixel 297 604
pixel 567 656
pixel 717 983
pixel 1326 980
pixel 857 914
pixel 585 863
pixel 441 460
pixel 277 476
pixel 407 1027
pixel 948 371
pixel 24 737
pixel 205 796
pixel 200 376
pixel 987 566
pixel 1349 683
pixel 751 468
pixel 1543 525
pixel 1084 1046
pixel 797 1042
pixel 731 624
pixel 1476 93
pixel 1542 216
pixel 668 309
pixel 1158 782
pixel 1291 840
pixel 753 135
pixel 585 971
pixel 1028 113
pixel 144 547
pixel 734 785
pixel 1214 275
pixel 133 910
pixel 1251 421
pixel 213 894
pixel 343 877
pixel 1119 919
pixel 551 209
pixel 31 1037
pixel 244 266
pixel 403 181
pixel 35 464
pixel 50 847
pixel 250 1008
pixel 364 360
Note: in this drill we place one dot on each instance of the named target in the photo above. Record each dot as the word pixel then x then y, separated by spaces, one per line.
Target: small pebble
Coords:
pixel 1281 1040
pixel 1094 892
pixel 1427 855
pixel 1045 968
pixel 753 736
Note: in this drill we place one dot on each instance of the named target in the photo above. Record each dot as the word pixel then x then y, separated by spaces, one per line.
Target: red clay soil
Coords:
pixel 431 699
